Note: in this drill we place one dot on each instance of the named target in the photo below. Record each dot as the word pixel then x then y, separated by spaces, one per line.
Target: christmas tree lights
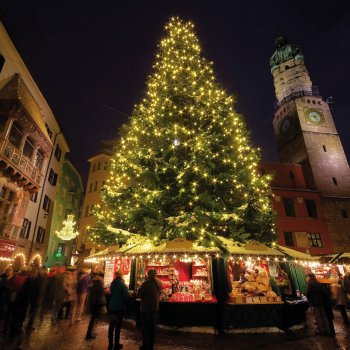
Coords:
pixel 68 230
pixel 184 166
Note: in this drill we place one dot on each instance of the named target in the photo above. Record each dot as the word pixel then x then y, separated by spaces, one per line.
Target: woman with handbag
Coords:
pixel 97 303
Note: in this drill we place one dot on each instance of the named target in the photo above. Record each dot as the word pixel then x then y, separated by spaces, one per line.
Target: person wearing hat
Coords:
pixel 149 293
pixel 116 306
pixel 84 283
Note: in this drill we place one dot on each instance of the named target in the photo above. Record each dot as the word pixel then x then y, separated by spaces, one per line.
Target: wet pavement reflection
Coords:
pixel 63 336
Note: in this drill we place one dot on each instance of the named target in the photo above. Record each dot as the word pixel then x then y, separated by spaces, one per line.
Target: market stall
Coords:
pixel 185 269
pixel 252 300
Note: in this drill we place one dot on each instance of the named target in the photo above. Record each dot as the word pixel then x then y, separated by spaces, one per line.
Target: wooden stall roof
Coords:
pixel 295 254
pixel 250 248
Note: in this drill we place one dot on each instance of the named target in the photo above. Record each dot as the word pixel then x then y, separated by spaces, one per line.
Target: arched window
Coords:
pixel 28 148
pixel 15 135
pixel 39 159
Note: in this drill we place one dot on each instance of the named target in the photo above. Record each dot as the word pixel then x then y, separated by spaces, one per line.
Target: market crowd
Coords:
pixel 26 296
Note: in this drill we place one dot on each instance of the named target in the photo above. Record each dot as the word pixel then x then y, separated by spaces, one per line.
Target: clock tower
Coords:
pixel 306 134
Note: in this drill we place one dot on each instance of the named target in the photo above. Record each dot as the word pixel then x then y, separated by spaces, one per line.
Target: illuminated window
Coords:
pixel 60 250
pixel 315 240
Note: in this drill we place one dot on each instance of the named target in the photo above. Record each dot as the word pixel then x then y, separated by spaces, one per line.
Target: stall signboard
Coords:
pixel 119 264
pixel 109 272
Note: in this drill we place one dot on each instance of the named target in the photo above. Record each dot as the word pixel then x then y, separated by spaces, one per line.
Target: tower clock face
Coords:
pixel 314 116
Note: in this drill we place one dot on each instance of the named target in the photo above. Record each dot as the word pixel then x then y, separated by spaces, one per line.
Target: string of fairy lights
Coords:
pixel 184 166
pixel 185 257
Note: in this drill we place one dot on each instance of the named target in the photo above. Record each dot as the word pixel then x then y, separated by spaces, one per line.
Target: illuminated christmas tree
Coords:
pixel 184 165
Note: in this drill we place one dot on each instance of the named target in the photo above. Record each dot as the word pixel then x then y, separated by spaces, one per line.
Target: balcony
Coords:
pixel 19 168
pixel 296 93
pixel 9 231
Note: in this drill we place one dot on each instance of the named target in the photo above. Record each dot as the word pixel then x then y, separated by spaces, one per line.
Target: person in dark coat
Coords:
pixel 5 291
pixel 149 293
pixel 317 297
pixel 34 282
pixel 116 306
pixel 96 302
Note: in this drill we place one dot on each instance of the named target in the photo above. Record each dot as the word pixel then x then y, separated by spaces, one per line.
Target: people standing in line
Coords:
pixel 84 283
pixel 149 293
pixel 96 301
pixel 339 298
pixel 116 306
pixel 70 283
pixel 316 295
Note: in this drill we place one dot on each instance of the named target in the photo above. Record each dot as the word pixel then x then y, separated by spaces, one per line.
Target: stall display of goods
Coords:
pixel 183 280
pixel 119 264
pixel 250 284
pixel 328 273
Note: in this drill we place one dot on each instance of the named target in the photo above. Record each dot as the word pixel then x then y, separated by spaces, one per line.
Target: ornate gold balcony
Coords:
pixel 15 165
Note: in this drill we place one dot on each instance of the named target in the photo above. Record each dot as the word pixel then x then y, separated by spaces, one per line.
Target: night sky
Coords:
pixel 91 58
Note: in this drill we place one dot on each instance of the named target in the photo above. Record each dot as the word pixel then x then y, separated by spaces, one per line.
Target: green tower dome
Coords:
pixel 284 52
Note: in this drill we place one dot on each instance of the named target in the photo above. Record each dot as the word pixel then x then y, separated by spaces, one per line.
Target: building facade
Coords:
pixel 31 154
pixel 300 219
pixel 98 174
pixel 68 201
pixel 306 135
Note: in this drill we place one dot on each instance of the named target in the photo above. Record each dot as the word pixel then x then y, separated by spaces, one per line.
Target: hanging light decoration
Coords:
pixel 68 230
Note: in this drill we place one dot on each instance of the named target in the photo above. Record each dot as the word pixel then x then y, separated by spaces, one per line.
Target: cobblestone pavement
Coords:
pixel 63 336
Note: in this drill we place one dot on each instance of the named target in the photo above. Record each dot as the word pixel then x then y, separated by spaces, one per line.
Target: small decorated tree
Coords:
pixel 184 165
